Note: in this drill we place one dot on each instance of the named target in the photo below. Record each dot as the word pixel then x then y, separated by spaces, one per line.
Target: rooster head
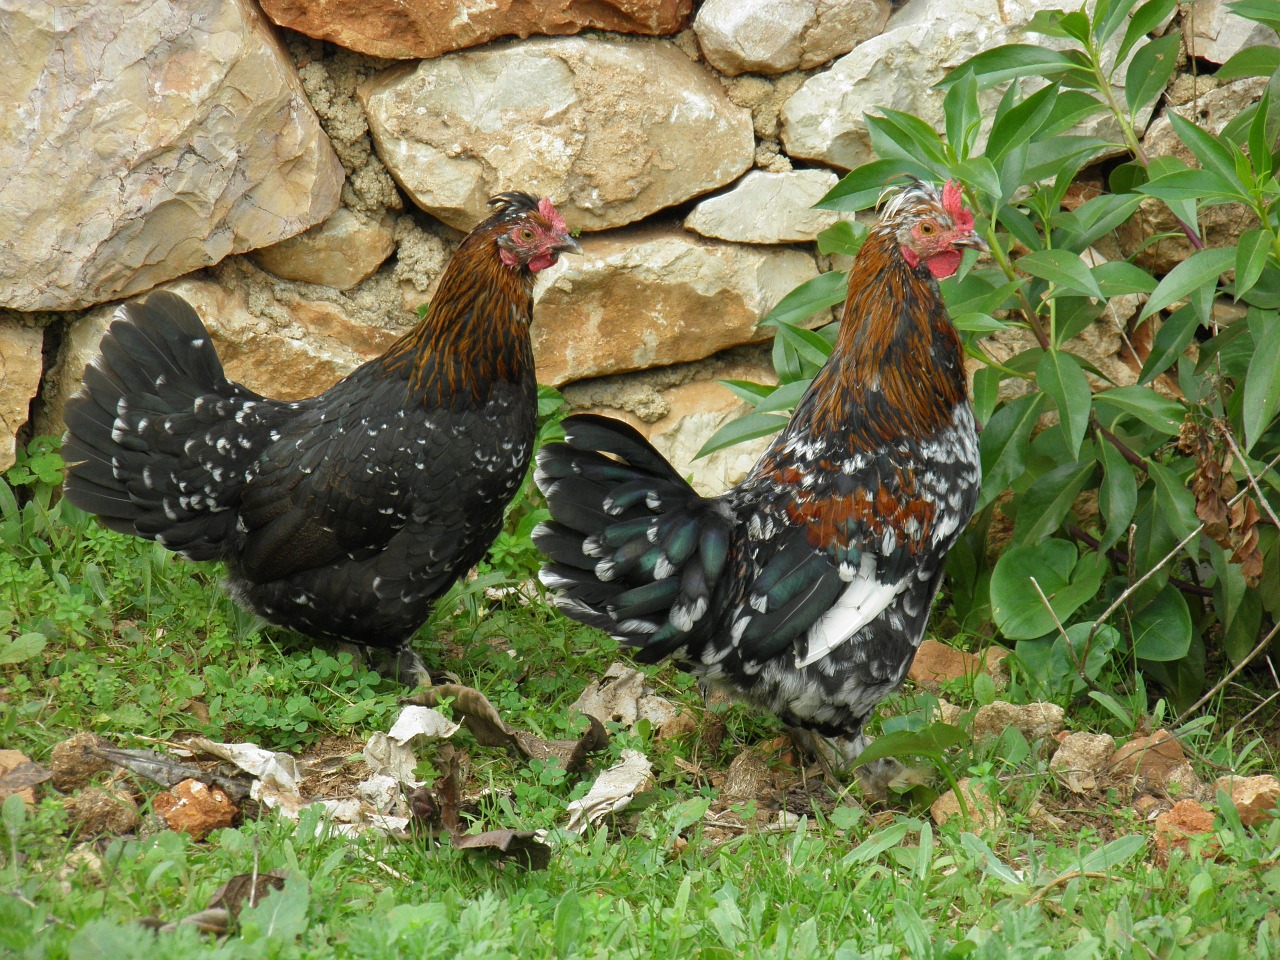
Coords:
pixel 930 228
pixel 531 234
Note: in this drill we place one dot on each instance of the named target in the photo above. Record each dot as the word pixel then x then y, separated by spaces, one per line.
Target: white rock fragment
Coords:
pixel 774 36
pixel 767 208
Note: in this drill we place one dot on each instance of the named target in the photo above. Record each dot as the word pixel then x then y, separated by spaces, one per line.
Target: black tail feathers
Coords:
pixel 151 443
pixel 633 549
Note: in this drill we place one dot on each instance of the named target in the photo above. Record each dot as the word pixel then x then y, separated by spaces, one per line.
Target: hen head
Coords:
pixel 531 234
pixel 931 228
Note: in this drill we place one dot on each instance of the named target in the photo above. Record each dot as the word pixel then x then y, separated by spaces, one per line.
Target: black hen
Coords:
pixel 806 588
pixel 346 515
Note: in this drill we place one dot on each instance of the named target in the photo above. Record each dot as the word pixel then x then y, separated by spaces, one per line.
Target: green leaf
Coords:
pixel 1258 61
pixel 1169 343
pixel 1004 444
pixel 1145 19
pixel 1064 268
pixel 861 188
pixel 986 391
pixel 1263 130
pixel 1107 18
pixel 1118 495
pixel 1111 855
pixel 813 296
pixel 908 133
pixel 1059 375
pixel 1016 123
pixel 1177 504
pixel 929 741
pixel 1201 268
pixel 1045 504
pixel 1262 385
pixel 1071 108
pixel 785 397
pixel 876 844
pixel 1008 62
pixel 22 647
pixel 748 390
pixel 843 236
pixel 961 114
pixel 1119 277
pixel 810 346
pixel 1259 11
pixel 1144 404
pixel 991 864
pixel 1251 257
pixel 1189 186
pixel 744 428
pixel 1212 155
pixel 1149 71
pixel 1076 655
pixel 1097 217
pixel 1016 606
pixel 1162 629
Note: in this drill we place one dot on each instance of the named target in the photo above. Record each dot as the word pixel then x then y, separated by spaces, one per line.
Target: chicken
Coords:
pixel 344 516
pixel 806 588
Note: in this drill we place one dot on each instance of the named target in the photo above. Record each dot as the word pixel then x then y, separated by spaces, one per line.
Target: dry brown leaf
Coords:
pixel 489 729
pixel 246 887
pixel 23 778
pixel 519 846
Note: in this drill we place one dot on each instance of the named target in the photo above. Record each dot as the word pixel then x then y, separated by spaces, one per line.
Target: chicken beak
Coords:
pixel 567 244
pixel 972 240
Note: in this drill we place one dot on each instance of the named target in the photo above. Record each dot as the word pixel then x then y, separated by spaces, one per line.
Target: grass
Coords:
pixel 110 634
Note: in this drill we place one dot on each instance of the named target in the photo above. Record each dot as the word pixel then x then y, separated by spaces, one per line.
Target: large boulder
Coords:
pixel 270 337
pixel 141 141
pixel 656 295
pixel 774 36
pixel 20 351
pixel 456 130
pixel 898 69
pixel 1215 33
pixel 413 29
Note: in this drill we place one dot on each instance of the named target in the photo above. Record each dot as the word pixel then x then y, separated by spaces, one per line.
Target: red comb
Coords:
pixel 551 215
pixel 953 203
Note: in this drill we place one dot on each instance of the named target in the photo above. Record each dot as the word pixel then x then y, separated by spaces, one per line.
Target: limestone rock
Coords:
pixel 20 364
pixel 767 208
pixel 195 808
pixel 1255 797
pixel 774 36
pixel 1214 33
pixel 1222 224
pixel 1035 721
pixel 898 69
pixel 98 812
pixel 412 29
pixel 655 295
pixel 142 141
pixel 344 250
pixel 679 408
pixel 458 129
pixel 287 348
pixel 981 802
pixel 1081 759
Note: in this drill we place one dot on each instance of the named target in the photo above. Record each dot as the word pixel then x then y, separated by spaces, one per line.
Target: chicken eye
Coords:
pixel 525 235
pixel 926 228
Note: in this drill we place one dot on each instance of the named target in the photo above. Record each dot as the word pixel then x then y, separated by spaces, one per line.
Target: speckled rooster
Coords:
pixel 346 515
pixel 806 588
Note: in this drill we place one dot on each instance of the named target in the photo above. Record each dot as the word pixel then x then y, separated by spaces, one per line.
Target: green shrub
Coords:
pixel 1180 563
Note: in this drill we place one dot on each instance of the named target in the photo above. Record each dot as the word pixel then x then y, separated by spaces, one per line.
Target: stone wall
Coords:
pixel 302 169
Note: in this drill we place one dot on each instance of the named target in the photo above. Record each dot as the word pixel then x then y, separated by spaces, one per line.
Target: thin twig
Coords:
pixel 1213 692
pixel 1065 878
pixel 1122 558
pixel 1249 716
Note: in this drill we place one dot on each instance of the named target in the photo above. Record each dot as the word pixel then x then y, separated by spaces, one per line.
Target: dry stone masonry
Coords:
pixel 302 169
